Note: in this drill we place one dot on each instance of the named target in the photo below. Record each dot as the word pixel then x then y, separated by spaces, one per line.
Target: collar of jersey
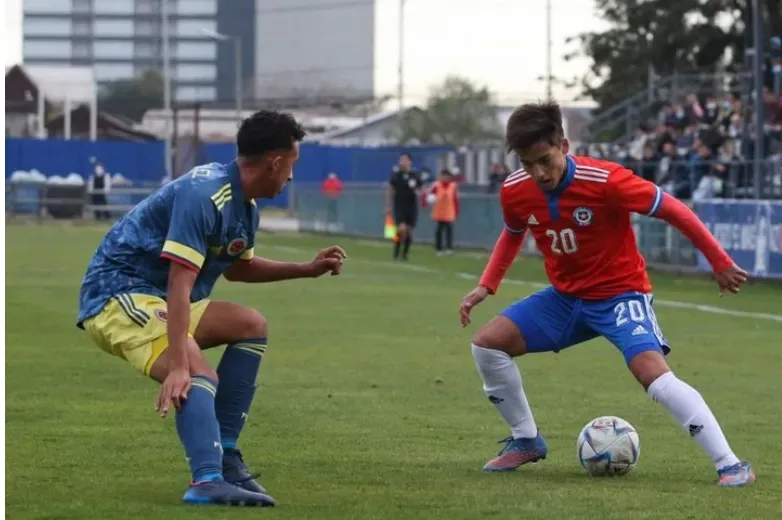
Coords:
pixel 567 181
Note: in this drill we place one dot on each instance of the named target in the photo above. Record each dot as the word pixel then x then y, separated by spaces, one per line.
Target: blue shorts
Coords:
pixel 551 321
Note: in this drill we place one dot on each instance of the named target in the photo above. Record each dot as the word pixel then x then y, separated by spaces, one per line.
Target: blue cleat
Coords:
pixel 220 492
pixel 517 452
pixel 235 471
pixel 737 475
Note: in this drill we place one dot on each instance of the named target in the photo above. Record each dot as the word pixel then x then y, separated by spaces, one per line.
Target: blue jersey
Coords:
pixel 200 220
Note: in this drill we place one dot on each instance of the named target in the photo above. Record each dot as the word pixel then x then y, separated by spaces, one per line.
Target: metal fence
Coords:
pixel 360 211
pixel 750 230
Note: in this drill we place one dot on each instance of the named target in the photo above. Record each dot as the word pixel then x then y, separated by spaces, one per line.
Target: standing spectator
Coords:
pixel 694 110
pixel 331 188
pixel 444 198
pixel 712 112
pixel 402 202
pixel 636 146
pixel 99 187
pixel 499 172
pixel 647 166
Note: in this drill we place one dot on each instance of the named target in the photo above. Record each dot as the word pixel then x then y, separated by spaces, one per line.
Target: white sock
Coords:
pixel 693 414
pixel 502 384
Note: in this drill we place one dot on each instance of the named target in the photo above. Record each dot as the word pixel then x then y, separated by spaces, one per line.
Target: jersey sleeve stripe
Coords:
pixel 515 180
pixel 177 250
pixel 592 169
pixel 589 177
pixel 515 231
pixel 658 199
pixel 248 254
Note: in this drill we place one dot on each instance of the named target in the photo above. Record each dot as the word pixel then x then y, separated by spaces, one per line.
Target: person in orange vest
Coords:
pixel 331 188
pixel 443 196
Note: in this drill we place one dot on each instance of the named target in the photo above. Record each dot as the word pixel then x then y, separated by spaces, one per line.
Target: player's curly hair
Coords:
pixel 532 123
pixel 266 131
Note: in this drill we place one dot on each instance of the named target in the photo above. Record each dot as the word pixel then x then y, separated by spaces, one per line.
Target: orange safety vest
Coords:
pixel 444 209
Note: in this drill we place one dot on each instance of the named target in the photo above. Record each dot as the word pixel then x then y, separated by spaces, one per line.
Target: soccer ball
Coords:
pixel 608 446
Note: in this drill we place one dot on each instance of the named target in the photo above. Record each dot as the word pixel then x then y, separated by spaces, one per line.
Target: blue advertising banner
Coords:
pixel 749 230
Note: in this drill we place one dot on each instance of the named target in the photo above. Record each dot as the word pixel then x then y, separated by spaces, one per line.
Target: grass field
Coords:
pixel 369 403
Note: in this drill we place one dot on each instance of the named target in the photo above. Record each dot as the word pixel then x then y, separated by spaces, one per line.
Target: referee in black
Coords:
pixel 402 202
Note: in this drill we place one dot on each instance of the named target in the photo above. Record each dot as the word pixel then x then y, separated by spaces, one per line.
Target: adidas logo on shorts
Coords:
pixel 639 331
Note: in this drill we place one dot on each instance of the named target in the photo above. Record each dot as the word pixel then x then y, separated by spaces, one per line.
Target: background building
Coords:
pixel 313 47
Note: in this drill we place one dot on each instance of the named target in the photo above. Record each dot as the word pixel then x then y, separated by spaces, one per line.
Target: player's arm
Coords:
pixel 193 218
pixel 390 190
pixel 635 194
pixel 505 251
pixel 261 270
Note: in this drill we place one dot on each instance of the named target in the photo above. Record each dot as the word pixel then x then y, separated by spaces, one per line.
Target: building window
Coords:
pixel 113 28
pixel 201 7
pixel 82 6
pixel 147 28
pixel 147 6
pixel 196 93
pixel 147 50
pixel 46 6
pixel 195 72
pixel 82 50
pixel 114 7
pixel 47 49
pixel 195 28
pixel 112 50
pixel 204 51
pixel 82 28
pixel 113 71
pixel 46 26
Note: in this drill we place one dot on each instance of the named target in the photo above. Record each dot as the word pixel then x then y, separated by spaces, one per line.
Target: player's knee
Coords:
pixel 495 336
pixel 647 366
pixel 252 324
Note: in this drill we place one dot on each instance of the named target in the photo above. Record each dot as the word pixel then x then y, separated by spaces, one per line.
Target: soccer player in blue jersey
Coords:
pixel 145 295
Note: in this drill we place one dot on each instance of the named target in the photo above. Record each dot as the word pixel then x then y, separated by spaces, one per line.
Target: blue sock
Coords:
pixel 199 432
pixel 237 370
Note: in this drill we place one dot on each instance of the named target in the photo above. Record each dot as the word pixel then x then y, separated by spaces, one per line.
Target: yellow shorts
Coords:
pixel 133 327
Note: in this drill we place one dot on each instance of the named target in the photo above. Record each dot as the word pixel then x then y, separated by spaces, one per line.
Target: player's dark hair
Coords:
pixel 266 131
pixel 405 154
pixel 533 123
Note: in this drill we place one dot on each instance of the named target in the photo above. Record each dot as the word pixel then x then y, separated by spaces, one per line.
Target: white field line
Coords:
pixel 708 309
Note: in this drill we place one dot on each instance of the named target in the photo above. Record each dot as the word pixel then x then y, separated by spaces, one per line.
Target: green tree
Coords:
pixel 132 97
pixel 670 35
pixel 457 112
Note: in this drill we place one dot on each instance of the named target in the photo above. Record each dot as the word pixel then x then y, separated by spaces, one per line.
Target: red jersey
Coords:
pixel 583 228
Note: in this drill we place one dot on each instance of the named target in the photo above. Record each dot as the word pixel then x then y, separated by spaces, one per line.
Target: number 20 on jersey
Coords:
pixel 563 242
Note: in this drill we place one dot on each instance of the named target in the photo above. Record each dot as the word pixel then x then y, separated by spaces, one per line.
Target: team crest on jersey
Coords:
pixel 161 314
pixel 236 246
pixel 583 216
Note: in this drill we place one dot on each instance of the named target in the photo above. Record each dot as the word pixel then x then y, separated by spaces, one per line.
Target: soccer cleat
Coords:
pixel 737 475
pixel 220 492
pixel 517 452
pixel 235 471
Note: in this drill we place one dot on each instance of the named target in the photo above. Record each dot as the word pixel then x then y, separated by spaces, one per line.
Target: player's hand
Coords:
pixel 731 279
pixel 469 302
pixel 173 390
pixel 328 260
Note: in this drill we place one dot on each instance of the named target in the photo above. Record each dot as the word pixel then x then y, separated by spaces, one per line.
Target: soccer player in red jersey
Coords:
pixel 578 210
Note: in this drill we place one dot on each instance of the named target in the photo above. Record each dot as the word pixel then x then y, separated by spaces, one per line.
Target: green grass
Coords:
pixel 369 404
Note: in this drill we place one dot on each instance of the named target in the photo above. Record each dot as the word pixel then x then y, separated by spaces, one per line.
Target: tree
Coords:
pixel 132 97
pixel 670 35
pixel 457 112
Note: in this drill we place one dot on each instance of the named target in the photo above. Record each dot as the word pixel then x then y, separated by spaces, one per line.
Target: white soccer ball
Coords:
pixel 431 198
pixel 608 446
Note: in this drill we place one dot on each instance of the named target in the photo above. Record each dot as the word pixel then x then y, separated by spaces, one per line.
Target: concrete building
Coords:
pixel 312 48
